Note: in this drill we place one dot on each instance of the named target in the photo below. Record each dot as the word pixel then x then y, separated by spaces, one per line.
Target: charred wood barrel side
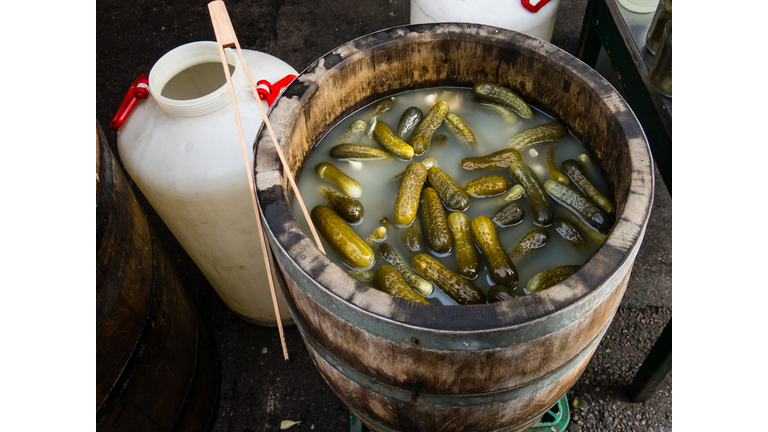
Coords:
pixel 404 366
pixel 156 366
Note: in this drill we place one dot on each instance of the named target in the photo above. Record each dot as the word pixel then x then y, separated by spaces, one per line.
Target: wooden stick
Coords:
pixel 225 35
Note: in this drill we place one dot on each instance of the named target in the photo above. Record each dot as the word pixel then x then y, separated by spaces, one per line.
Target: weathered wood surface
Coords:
pixel 493 367
pixel 156 367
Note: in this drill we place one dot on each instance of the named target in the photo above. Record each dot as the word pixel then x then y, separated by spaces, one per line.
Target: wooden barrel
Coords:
pixel 156 366
pixel 404 366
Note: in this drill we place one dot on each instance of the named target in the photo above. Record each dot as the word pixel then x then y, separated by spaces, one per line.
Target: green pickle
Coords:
pixel 500 293
pixel 407 201
pixel 412 238
pixel 423 135
pixel 457 126
pixel 509 215
pixel 351 248
pixel 497 93
pixel 392 282
pixel 541 204
pixel 570 232
pixel 382 108
pixel 356 128
pixel 419 284
pixel 500 267
pixel 506 113
pixel 588 230
pixel 486 186
pixel 550 277
pixel 435 223
pixel 410 119
pixel 467 262
pixel 384 136
pixel 428 163
pixel 350 186
pixel 364 276
pixel 376 236
pixel 588 166
pixel 452 195
pixel 515 193
pixel 573 171
pixel 578 203
pixel 358 152
pixel 347 207
pixel 459 289
pixel 496 160
pixel 553 171
pixel 536 239
pixel 537 134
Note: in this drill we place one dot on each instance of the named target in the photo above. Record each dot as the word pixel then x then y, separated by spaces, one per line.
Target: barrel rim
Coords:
pixel 287 237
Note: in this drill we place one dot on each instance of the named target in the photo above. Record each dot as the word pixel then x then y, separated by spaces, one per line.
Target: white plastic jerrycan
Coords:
pixel 182 148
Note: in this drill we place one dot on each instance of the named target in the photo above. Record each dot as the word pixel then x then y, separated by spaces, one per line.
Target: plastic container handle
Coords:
pixel 270 92
pixel 139 90
pixel 527 4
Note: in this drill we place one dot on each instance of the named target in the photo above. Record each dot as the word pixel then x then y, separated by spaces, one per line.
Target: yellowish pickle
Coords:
pixel 541 204
pixel 536 239
pixel 537 134
pixel 357 152
pixel 351 248
pixel 412 238
pixel 575 173
pixel 578 203
pixel 407 201
pixel 356 128
pixel 347 207
pixel 350 186
pixel 506 113
pixel 467 262
pixel 384 136
pixel 500 267
pixel 364 276
pixel 515 193
pixel 496 160
pixel 452 195
pixel 428 163
pixel 550 277
pixel 457 126
pixel 391 282
pixel 435 223
pixel 421 138
pixel 459 289
pixel 486 186
pixel 553 171
pixel 376 236
pixel 419 284
pixel 495 92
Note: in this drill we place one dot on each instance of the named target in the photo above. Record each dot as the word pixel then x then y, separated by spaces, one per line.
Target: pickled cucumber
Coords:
pixel 536 239
pixel 410 119
pixel 452 195
pixel 349 185
pixel 575 173
pixel 550 277
pixel 570 232
pixel 381 108
pixel 428 163
pixel 347 207
pixel 515 193
pixel 384 136
pixel 358 152
pixel 407 202
pixel 459 289
pixel 356 128
pixel 494 92
pixel 412 238
pixel 467 262
pixel 364 276
pixel 500 293
pixel 537 134
pixel 423 135
pixel 500 159
pixel 419 284
pixel 541 204
pixel 507 114
pixel 457 126
pixel 576 202
pixel 553 171
pixel 351 248
pixel 377 235
pixel 586 229
pixel 435 223
pixel 500 267
pixel 588 166
pixel 509 215
pixel 486 186
pixel 392 282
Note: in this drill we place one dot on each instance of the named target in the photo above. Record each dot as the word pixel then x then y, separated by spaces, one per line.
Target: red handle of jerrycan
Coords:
pixel 534 8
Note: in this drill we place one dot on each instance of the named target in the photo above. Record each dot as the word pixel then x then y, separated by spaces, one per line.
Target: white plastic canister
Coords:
pixel 508 14
pixel 185 156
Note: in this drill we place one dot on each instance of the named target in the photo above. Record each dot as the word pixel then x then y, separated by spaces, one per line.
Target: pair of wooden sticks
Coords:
pixel 225 37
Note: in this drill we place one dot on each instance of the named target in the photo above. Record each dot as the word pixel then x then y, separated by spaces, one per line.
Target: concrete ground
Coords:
pixel 259 388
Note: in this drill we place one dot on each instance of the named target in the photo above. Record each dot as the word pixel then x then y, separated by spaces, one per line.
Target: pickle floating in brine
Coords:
pixel 509 215
pixel 494 92
pixel 500 267
pixel 349 185
pixel 553 171
pixel 358 152
pixel 410 119
pixel 570 232
pixel 428 163
pixel 457 126
pixel 351 248
pixel 586 229
pixel 515 193
pixel 347 207
pixel 407 201
pixel 467 262
pixel 435 222
pixel 384 136
pixel 364 276
pixel 506 113
pixel 459 289
pixel 412 238
pixel 421 138
pixel 381 108
pixel 486 186
pixel 392 282
pixel 536 239
pixel 576 202
pixel 356 128
pixel 419 284
pixel 550 277
pixel 500 293
pixel 575 173
pixel 496 160
pixel 537 134
pixel 450 193
pixel 541 204
pixel 377 235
